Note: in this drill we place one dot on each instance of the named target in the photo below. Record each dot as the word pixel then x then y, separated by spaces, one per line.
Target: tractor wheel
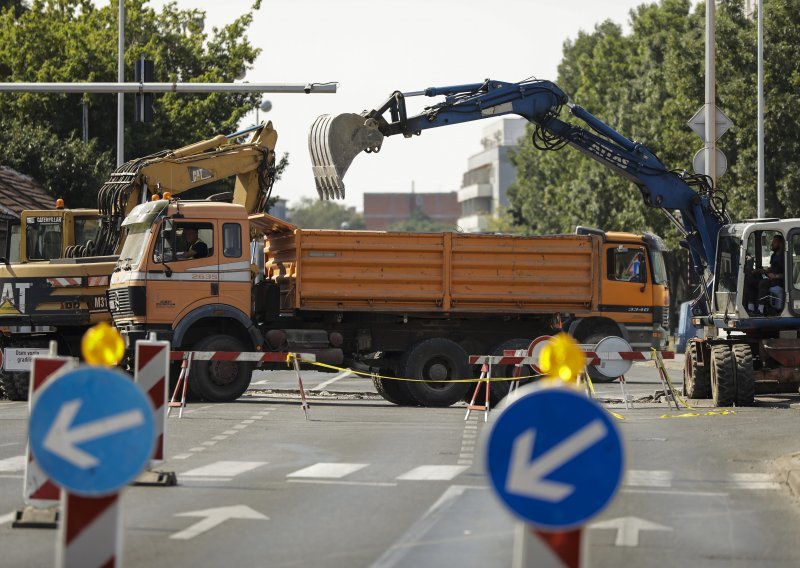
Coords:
pixel 723 380
pixel 437 361
pixel 696 377
pixel 220 381
pixel 745 383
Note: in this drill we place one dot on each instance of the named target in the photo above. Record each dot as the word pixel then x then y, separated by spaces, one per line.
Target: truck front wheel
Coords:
pixel 723 382
pixel 435 363
pixel 220 381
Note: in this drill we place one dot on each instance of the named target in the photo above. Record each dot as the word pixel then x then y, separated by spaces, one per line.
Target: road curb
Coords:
pixel 788 469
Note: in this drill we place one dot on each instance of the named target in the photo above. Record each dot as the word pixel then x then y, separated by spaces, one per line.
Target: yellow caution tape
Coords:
pixel 697 414
pixel 377 376
pixel 615 415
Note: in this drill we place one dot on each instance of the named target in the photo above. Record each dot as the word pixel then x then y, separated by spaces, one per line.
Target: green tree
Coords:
pixel 74 40
pixel 419 222
pixel 317 214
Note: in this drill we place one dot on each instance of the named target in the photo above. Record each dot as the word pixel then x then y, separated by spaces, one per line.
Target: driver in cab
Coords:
pixel 195 248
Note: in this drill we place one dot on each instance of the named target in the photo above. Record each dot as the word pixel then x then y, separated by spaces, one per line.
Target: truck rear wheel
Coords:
pixel 15 384
pixel 696 377
pixel 395 391
pixel 745 382
pixel 438 362
pixel 723 381
pixel 220 381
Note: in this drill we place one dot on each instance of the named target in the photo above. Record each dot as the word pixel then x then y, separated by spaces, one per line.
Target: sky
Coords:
pixel 374 47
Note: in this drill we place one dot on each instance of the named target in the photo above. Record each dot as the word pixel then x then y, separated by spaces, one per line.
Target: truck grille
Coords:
pixel 126 302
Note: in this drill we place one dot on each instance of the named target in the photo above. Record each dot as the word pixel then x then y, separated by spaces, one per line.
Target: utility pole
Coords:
pixel 121 79
pixel 760 184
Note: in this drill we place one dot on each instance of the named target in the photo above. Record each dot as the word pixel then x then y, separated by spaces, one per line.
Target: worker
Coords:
pixel 771 285
pixel 195 248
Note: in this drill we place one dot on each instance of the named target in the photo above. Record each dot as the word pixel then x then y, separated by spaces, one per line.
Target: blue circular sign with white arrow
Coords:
pixel 554 458
pixel 92 431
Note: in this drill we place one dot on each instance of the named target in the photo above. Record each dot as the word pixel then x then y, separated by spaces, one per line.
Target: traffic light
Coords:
pixel 144 73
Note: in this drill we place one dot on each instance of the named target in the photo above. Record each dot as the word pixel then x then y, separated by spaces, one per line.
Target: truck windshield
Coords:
pixel 135 243
pixel 659 268
pixel 43 239
pixel 725 282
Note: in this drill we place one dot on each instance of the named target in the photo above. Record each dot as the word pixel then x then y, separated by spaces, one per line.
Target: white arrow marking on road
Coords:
pixel 214 517
pixel 61 439
pixel 628 529
pixel 527 478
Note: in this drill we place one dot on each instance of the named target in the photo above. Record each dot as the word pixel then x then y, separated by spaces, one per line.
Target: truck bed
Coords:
pixel 433 272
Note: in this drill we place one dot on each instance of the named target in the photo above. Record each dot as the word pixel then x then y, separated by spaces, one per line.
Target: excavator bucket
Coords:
pixel 333 143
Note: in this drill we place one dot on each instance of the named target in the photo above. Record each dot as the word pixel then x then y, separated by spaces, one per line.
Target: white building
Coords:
pixel 483 188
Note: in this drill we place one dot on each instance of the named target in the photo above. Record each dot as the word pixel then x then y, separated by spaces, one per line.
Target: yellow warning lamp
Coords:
pixel 167 195
pixel 562 358
pixel 102 345
pixel 154 197
pixel 59 203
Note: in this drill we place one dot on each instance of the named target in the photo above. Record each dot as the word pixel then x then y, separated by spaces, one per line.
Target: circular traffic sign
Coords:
pixel 92 431
pixel 535 350
pixel 612 368
pixel 554 458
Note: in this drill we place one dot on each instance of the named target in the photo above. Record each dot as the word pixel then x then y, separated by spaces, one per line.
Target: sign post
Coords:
pixel 92 432
pixel 555 460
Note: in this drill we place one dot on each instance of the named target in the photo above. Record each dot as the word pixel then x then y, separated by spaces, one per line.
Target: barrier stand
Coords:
pixel 669 391
pixel 486 374
pixel 41 495
pixel 151 372
pixel 303 404
pixel 625 397
pixel 183 380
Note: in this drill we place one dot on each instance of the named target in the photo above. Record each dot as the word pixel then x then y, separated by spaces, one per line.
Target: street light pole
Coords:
pixel 711 103
pixel 121 79
pixel 760 184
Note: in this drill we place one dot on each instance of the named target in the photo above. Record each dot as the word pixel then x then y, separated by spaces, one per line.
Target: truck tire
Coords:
pixel 439 360
pixel 745 382
pixel 723 379
pixel 15 384
pixel 220 381
pixel 498 390
pixel 395 392
pixel 696 377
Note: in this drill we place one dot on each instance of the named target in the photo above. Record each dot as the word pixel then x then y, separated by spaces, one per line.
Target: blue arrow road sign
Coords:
pixel 92 431
pixel 555 458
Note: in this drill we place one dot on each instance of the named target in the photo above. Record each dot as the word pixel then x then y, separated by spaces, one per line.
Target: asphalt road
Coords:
pixel 366 483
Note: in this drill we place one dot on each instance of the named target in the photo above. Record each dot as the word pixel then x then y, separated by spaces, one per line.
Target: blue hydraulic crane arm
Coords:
pixel 701 213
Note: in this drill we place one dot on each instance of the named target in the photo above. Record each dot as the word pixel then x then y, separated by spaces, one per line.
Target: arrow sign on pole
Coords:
pixel 215 517
pixel 528 479
pixel 628 529
pixel 62 438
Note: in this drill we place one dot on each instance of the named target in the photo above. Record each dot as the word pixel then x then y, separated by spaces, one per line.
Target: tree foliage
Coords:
pixel 646 84
pixel 316 214
pixel 75 40
pixel 420 222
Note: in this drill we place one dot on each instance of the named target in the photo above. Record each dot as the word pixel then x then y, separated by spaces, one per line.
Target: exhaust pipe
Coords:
pixel 333 142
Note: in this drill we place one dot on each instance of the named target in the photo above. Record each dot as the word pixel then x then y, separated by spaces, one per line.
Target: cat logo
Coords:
pixel 7 307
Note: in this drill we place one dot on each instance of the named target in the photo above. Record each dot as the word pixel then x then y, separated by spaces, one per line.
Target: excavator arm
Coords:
pixel 335 141
pixel 177 171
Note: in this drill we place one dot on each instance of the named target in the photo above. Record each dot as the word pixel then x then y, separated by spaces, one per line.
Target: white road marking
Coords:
pixel 248 421
pixel 240 426
pixel 328 470
pixel 256 417
pixel 209 443
pixel 230 432
pixel 198 449
pixel 754 481
pixel 340 482
pixel 16 463
pixel 223 469
pixel 189 411
pixel 628 529
pixel 214 517
pixel 648 478
pixel 219 438
pixel 338 377
pixel 7 518
pixel 181 456
pixel 9 444
pixel 676 492
pixel 264 382
pixel 433 473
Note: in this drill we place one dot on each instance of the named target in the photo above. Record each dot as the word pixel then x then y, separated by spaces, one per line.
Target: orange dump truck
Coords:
pixel 410 305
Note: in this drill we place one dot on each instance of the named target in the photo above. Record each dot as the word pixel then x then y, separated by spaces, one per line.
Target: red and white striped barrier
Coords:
pixel 90 533
pixel 38 490
pixel 151 375
pixel 521 357
pixel 241 356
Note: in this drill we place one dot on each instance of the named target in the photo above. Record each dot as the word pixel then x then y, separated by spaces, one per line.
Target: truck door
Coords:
pixel 627 289
pixel 189 277
pixel 234 266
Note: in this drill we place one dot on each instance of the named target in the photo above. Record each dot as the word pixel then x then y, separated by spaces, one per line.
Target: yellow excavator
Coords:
pixel 58 289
